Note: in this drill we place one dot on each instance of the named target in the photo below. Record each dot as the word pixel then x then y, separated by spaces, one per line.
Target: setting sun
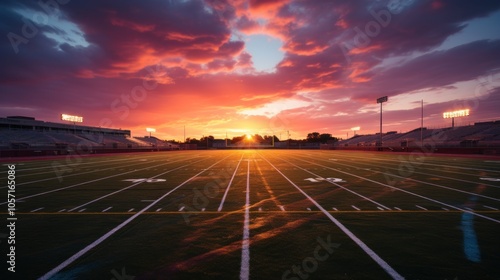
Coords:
pixel 249 137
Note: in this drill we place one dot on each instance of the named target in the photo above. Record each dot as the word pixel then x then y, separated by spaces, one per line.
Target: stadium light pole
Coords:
pixel 381 100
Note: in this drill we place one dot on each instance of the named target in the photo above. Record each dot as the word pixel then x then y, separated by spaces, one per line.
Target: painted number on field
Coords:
pixel 147 180
pixel 491 179
pixel 330 179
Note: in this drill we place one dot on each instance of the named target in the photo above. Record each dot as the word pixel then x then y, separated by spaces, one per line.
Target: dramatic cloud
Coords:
pixel 170 64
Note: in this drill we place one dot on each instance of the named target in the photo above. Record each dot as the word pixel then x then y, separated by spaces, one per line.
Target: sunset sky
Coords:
pixel 236 67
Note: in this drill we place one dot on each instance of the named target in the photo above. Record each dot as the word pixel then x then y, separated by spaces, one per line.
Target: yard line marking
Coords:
pixel 38 209
pixel 62 210
pixel 107 209
pixel 355 207
pixel 98 241
pixel 131 186
pixel 380 208
pixel 158 210
pixel 409 192
pixel 131 209
pixel 182 208
pixel 489 207
pixel 229 185
pixel 245 250
pixel 68 175
pixel 421 207
pixel 308 209
pixel 281 207
pixel 84 183
pixel 445 209
pixel 81 210
pixel 342 187
pixel 335 209
pixel 397 208
pixel 383 264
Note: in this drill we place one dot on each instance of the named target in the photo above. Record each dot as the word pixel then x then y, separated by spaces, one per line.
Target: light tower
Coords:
pixel 381 100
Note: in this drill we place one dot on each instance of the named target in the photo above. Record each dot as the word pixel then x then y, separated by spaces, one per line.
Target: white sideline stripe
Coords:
pixel 245 250
pixel 182 208
pixel 107 209
pixel 489 207
pixel 411 193
pixel 131 209
pixel 355 207
pixel 229 185
pixel 445 209
pixel 342 187
pixel 38 209
pixel 89 247
pixel 81 210
pixel 421 207
pixel 397 208
pixel 126 188
pixel 282 208
pixel 383 264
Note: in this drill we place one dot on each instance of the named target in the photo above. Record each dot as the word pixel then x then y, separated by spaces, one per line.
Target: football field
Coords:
pixel 253 214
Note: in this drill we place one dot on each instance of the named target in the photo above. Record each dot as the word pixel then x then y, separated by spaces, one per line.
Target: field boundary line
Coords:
pixel 89 247
pixel 245 245
pixel 408 192
pixel 229 185
pixel 383 264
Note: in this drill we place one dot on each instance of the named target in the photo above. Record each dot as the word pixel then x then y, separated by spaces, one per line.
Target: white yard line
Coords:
pixel 397 208
pixel 342 187
pixel 105 210
pixel 38 209
pixel 182 208
pixel 383 264
pixel 423 208
pixel 229 185
pixel 81 210
pixel 131 209
pixel 489 207
pixel 92 245
pixel 408 192
pixel 355 207
pixel 126 188
pixel 245 250
pixel 62 210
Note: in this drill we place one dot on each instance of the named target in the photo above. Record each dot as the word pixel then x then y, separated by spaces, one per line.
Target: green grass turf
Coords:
pixel 199 242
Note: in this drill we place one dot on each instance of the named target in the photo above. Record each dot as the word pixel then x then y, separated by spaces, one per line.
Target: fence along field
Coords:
pixel 259 214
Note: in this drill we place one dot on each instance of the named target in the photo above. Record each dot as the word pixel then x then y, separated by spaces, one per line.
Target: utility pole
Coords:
pixel 381 100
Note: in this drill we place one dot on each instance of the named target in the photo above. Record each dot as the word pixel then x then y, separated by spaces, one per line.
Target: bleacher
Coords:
pixel 22 135
pixel 486 134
